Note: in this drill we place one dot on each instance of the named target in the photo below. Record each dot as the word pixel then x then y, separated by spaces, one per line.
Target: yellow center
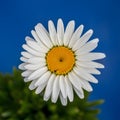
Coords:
pixel 60 60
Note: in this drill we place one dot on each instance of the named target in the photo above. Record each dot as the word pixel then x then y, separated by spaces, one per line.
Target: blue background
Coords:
pixel 18 17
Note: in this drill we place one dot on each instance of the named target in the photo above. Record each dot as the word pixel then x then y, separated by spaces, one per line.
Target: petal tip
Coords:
pixel 36 92
pixel 82 26
pixel 72 22
pixel 90 31
pixel 96 82
pixel 82 96
pixel 23 46
pixel 30 88
pixel 53 100
pixel 60 20
pixel 104 55
pixel 32 31
pixel 97 40
pixel 19 67
pixel 50 21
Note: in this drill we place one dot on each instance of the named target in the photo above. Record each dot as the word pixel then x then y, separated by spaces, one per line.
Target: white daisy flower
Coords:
pixel 59 61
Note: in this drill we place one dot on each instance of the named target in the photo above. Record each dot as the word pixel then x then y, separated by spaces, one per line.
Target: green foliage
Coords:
pixel 17 102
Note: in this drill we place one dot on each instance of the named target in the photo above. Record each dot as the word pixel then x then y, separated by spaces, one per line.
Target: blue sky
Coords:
pixel 18 17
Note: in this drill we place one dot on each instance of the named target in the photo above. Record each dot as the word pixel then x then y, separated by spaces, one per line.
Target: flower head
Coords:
pixel 59 61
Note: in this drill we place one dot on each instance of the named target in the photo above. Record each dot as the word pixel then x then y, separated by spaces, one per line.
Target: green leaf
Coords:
pixel 17 102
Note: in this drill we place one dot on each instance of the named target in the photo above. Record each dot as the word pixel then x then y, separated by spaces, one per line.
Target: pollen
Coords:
pixel 60 60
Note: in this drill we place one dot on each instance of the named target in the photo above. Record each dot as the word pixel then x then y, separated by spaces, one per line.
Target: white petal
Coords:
pixel 36 46
pixel 74 81
pixel 56 90
pixel 26 73
pixel 89 64
pixel 33 52
pixel 32 85
pixel 84 84
pixel 34 66
pixel 52 32
pixel 89 70
pixel 49 87
pixel 62 86
pixel 77 84
pixel 92 71
pixel 21 66
pixel 26 54
pixel 83 74
pixel 43 79
pixel 69 89
pixel 27 39
pixel 36 37
pixel 23 59
pixel 91 56
pixel 34 34
pixel 60 31
pixel 88 47
pixel 68 32
pixel 37 73
pixel 76 35
pixel 78 92
pixel 40 89
pixel 26 79
pixel 63 100
pixel 79 43
pixel 37 60
pixel 43 36
pixel 43 28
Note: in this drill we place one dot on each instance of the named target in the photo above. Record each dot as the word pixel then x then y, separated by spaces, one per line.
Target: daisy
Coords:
pixel 59 61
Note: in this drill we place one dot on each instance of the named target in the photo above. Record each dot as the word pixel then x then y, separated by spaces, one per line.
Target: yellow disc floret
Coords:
pixel 60 60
